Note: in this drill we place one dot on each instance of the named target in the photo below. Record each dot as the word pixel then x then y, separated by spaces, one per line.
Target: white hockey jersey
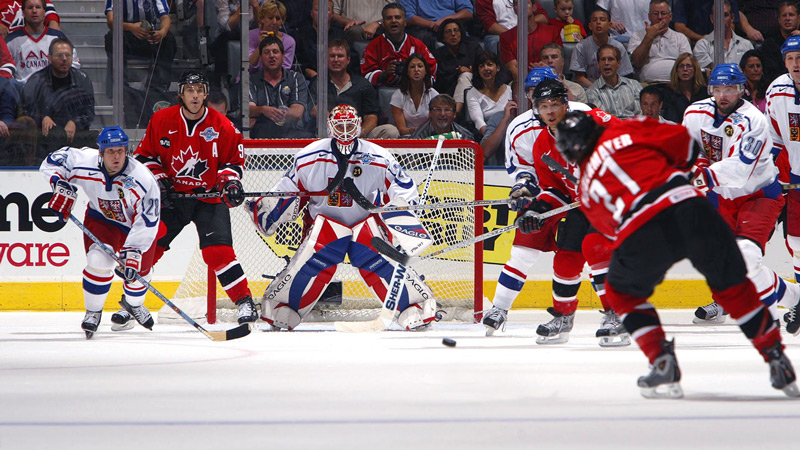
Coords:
pixel 783 111
pixel 375 171
pixel 738 147
pixel 130 200
pixel 520 136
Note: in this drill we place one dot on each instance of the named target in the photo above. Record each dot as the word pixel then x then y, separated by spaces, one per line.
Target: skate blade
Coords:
pixel 791 390
pixel 621 340
pixel 89 334
pixel 560 339
pixel 122 326
pixel 714 321
pixel 796 332
pixel 489 330
pixel 667 390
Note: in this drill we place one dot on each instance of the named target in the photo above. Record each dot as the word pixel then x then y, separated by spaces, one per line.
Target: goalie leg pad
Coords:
pixel 302 282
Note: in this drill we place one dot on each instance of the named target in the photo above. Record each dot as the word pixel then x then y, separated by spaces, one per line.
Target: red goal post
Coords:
pixel 456 278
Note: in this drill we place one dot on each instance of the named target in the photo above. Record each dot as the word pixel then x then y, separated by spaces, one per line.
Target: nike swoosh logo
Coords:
pixel 92 173
pixel 209 234
pixel 172 132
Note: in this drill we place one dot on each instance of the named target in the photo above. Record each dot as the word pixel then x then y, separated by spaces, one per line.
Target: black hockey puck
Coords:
pixel 449 342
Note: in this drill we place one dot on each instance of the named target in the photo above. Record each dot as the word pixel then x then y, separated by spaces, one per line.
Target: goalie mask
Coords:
pixel 344 126
pixel 577 136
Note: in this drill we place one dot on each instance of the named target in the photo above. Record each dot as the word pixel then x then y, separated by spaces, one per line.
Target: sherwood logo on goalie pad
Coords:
pixel 397 283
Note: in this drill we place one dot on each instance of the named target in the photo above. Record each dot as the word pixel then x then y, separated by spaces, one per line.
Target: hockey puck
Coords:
pixel 449 342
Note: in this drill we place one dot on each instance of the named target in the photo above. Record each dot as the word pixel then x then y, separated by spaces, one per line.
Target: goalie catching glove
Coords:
pixel 269 212
pixel 407 230
pixel 133 262
pixel 231 188
pixel 63 200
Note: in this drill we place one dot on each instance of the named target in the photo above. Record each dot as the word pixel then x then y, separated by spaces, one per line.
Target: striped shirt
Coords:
pixel 134 11
pixel 621 101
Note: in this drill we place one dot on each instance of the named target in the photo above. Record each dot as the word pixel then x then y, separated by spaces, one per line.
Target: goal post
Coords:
pixel 456 278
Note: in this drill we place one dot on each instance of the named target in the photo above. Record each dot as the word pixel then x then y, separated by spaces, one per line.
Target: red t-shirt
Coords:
pixel 543 34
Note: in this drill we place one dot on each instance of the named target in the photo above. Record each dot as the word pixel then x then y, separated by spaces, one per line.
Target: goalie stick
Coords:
pixel 269 194
pixel 434 163
pixel 227 335
pixel 387 249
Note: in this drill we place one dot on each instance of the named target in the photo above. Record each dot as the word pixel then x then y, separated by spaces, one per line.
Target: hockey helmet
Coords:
pixel 112 137
pixel 577 135
pixel 192 76
pixel 728 74
pixel 344 126
pixel 539 74
pixel 791 44
pixel 550 89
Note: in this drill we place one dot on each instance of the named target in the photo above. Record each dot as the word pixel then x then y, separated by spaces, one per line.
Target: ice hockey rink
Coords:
pixel 314 388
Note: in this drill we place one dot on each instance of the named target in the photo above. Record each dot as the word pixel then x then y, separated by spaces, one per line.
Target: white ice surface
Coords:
pixel 314 388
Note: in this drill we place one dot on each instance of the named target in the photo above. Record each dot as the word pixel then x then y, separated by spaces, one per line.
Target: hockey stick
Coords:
pixel 789 187
pixel 269 194
pixel 227 335
pixel 387 249
pixel 434 163
pixel 554 165
pixel 350 187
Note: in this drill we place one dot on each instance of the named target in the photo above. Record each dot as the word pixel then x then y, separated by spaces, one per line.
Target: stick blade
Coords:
pixel 386 249
pixel 370 326
pixel 229 335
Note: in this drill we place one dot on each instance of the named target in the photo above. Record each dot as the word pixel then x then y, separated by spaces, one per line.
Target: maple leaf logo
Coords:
pixel 189 165
pixel 12 16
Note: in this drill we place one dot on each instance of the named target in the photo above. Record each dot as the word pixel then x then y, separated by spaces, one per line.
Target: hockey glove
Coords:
pixel 701 179
pixel 529 221
pixel 231 188
pixel 64 196
pixel 269 213
pixel 524 189
pixel 165 186
pixel 133 262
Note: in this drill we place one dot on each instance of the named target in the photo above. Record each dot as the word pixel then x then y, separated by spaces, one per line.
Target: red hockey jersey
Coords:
pixel 626 180
pixel 380 52
pixel 191 159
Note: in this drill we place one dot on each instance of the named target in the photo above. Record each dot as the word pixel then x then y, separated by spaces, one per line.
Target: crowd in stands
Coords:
pixel 412 68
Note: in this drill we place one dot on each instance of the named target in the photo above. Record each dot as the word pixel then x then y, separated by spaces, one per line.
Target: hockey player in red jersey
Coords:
pixel 192 149
pixel 634 189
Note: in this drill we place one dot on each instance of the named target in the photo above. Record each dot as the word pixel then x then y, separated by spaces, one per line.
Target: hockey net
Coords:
pixel 455 277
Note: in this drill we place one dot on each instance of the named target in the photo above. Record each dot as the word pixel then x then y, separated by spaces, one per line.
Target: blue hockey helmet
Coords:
pixel 112 137
pixel 728 74
pixel 539 74
pixel 792 44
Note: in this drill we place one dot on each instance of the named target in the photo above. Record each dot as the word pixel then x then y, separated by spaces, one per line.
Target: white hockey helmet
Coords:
pixel 344 125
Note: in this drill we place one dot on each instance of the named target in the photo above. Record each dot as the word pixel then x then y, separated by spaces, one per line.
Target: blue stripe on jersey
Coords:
pixel 407 185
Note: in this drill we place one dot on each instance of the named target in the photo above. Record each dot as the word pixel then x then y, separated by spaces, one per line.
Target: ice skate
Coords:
pixel 90 322
pixel 557 330
pixel 247 310
pixel 663 380
pixel 710 314
pixel 611 331
pixel 140 313
pixel 781 372
pixel 495 320
pixel 121 320
pixel 792 321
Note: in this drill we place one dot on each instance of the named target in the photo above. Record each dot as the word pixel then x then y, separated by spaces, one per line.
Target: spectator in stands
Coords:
pixel 691 19
pixel 686 86
pixel 30 44
pixel 229 15
pixel 278 97
pixel 60 99
pixel 270 21
pixel 488 95
pixel 499 16
pixel 735 45
pixel 145 34
pixel 755 89
pixel 424 17
pixel 360 19
pixel 584 56
pixel 410 102
pixel 552 55
pixel 387 52
pixel 12 19
pixel 538 36
pixel 654 49
pixel 651 100
pixel 441 121
pixel 564 21
pixel 296 15
pixel 353 90
pixel 761 14
pixel 218 101
pixel 455 61
pixel 611 92
pixel 627 17
pixel 307 40
pixel 493 141
pixel 7 64
pixel 789 25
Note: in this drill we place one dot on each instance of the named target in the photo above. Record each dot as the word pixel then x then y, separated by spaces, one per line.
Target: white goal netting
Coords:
pixel 455 277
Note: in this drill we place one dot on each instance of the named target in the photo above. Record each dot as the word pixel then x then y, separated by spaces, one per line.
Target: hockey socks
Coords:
pixel 229 272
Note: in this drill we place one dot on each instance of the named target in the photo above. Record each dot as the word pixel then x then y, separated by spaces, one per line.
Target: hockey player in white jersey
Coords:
pixel 784 117
pixel 338 227
pixel 123 212
pixel 740 178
